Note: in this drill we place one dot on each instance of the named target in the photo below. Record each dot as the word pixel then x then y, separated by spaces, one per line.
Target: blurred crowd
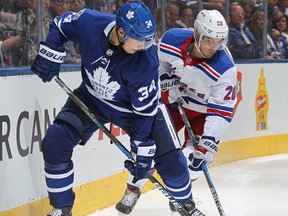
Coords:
pixel 21 29
pixel 247 34
pixel 24 23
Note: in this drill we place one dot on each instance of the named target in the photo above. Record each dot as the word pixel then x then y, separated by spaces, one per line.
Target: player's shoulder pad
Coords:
pixel 149 59
pixel 89 13
pixel 176 36
pixel 152 56
pixel 221 61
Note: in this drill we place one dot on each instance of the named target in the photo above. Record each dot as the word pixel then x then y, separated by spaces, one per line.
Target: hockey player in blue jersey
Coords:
pixel 196 66
pixel 119 85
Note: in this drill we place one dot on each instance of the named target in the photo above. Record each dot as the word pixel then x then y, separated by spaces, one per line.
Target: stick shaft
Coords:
pixel 203 165
pixel 102 127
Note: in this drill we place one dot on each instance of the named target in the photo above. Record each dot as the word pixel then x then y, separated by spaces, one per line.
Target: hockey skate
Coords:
pixel 66 211
pixel 128 201
pixel 189 205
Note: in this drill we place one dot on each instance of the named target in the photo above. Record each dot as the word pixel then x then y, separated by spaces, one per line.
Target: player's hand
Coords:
pixel 48 61
pixel 145 152
pixel 175 96
pixel 204 152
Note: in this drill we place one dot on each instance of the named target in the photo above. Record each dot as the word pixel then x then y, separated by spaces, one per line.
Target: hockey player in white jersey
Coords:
pixel 120 85
pixel 196 66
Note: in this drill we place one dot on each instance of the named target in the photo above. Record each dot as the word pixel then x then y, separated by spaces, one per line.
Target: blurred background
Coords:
pixel 258 29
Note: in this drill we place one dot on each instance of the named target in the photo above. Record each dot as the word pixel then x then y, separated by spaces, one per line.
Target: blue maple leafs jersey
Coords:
pixel 119 84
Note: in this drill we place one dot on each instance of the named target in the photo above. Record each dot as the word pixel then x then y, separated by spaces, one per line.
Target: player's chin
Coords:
pixel 210 54
pixel 133 51
pixel 130 51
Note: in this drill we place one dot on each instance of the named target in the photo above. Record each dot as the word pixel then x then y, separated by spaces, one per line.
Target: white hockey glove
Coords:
pixel 204 152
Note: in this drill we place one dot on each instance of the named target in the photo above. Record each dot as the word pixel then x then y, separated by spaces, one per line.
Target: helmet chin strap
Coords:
pixel 197 45
pixel 121 43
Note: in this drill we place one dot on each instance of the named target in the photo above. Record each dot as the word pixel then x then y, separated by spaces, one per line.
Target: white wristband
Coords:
pixel 52 55
pixel 146 151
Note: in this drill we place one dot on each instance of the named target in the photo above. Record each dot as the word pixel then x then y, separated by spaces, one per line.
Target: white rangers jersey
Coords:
pixel 206 85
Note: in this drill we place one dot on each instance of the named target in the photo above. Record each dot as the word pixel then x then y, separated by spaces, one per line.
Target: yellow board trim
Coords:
pixel 108 191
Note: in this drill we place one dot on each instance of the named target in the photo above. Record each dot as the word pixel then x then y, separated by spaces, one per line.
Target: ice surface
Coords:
pixel 253 187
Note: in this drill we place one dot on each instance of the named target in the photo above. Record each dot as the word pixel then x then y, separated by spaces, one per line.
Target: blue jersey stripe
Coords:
pixel 206 72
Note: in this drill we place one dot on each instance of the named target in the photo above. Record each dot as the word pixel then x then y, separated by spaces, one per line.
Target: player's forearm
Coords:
pixel 215 126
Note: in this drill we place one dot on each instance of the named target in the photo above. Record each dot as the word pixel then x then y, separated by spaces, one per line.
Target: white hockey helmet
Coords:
pixel 212 24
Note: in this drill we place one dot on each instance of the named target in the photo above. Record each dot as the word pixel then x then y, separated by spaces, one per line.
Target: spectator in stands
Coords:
pixel 280 32
pixel 240 38
pixel 77 5
pixel 9 37
pixel 249 8
pixel 214 4
pixel 186 17
pixel 151 4
pixel 281 44
pixel 283 6
pixel 24 23
pixel 58 7
pixel 99 5
pixel 172 14
pixel 256 27
pixel 279 22
pixel 272 9
pixel 6 45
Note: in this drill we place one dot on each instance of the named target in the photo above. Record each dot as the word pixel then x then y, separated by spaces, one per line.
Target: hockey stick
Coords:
pixel 203 165
pixel 102 127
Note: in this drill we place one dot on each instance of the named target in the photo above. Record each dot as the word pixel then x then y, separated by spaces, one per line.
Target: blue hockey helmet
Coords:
pixel 137 22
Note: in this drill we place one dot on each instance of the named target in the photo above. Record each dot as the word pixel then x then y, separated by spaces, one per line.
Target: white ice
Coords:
pixel 253 187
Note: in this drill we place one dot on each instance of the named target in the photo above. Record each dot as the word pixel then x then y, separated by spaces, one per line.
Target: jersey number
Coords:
pixel 146 90
pixel 67 19
pixel 231 93
pixel 219 23
pixel 148 24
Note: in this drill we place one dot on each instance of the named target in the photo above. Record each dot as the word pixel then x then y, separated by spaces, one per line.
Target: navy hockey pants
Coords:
pixel 72 126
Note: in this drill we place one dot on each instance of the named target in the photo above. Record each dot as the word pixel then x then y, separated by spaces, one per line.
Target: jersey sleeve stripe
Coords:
pixel 147 114
pixel 225 115
pixel 207 72
pixel 213 114
pixel 222 111
pixel 211 70
pixel 139 109
pixel 58 24
pixel 170 50
pixel 225 108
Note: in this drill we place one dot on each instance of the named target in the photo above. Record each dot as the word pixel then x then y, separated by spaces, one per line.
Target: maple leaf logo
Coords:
pixel 102 88
pixel 130 15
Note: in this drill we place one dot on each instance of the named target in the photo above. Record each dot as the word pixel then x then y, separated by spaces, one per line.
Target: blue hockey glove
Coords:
pixel 204 152
pixel 145 152
pixel 48 61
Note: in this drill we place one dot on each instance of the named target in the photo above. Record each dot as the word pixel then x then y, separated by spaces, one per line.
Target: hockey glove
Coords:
pixel 48 61
pixel 145 152
pixel 204 152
